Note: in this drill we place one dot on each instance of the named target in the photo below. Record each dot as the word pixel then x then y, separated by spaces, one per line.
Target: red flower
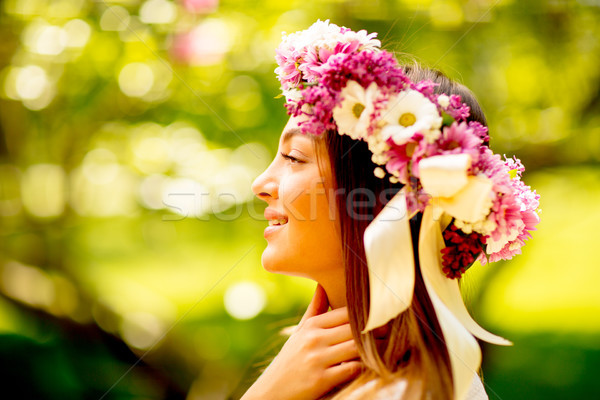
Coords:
pixel 461 251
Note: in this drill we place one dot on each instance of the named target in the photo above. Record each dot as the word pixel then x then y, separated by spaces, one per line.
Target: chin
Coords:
pixel 270 262
pixel 277 265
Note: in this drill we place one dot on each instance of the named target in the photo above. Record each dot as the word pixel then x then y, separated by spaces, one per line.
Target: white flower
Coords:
pixel 443 101
pixel 380 159
pixel 376 145
pixel 410 112
pixel 326 34
pixel 319 34
pixel 367 40
pixel 353 115
pixel 485 226
pixel 323 34
pixel 292 95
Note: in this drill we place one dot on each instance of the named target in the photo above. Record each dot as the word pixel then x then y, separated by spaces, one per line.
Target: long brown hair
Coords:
pixel 410 346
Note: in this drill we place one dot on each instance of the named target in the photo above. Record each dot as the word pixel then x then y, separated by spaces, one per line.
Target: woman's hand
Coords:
pixel 319 355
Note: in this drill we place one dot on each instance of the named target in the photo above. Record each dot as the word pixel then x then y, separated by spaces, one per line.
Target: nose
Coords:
pixel 265 186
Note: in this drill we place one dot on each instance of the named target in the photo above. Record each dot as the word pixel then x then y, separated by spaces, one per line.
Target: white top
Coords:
pixel 396 389
pixel 477 391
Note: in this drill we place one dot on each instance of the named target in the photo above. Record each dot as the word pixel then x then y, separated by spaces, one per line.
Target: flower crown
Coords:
pixel 358 90
pixel 474 205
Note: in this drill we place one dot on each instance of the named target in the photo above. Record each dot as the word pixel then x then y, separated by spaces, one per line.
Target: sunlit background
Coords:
pixel 130 241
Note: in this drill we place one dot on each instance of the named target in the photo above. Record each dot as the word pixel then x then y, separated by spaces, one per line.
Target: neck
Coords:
pixel 336 291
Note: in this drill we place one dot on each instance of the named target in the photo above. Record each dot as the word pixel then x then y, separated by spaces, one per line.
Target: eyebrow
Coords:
pixel 288 134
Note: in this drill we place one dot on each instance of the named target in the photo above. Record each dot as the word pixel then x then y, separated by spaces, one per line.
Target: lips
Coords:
pixel 276 220
pixel 275 217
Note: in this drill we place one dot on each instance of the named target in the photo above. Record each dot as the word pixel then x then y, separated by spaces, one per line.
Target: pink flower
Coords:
pixel 315 58
pixel 480 131
pixel 514 210
pixel 416 198
pixel 400 158
pixel 506 214
pixel 364 67
pixel 302 56
pixel 426 87
pixel 288 73
pixel 418 153
pixel 320 116
pixel 457 109
pixel 312 62
pixel 514 164
pixel 529 204
pixel 457 138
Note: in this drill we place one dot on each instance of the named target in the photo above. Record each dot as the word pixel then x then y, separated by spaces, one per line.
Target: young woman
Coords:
pixel 383 191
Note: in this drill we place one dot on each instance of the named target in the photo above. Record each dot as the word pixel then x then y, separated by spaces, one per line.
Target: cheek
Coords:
pixel 313 231
pixel 310 244
pixel 306 200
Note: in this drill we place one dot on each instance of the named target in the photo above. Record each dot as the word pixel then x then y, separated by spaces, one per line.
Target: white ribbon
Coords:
pixel 457 324
pixel 389 251
pixel 464 197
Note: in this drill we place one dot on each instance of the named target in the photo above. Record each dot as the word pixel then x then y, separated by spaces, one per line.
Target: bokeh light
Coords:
pixel 44 190
pixel 136 79
pixel 158 12
pixel 244 300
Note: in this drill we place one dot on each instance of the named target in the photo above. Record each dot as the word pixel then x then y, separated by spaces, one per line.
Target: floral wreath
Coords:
pixel 475 206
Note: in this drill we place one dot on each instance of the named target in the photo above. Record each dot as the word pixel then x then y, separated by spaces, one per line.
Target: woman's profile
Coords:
pixel 384 192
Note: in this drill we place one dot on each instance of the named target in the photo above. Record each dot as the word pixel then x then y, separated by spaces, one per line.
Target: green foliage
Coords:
pixel 126 157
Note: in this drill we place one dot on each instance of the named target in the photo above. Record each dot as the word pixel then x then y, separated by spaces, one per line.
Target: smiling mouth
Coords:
pixel 277 222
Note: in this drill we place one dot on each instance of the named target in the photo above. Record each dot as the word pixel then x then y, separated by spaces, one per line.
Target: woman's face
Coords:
pixel 303 233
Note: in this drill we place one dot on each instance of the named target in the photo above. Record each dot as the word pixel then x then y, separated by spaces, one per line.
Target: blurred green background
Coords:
pixel 130 241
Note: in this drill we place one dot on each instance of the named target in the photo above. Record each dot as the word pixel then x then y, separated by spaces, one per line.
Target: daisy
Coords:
pixel 353 115
pixel 408 113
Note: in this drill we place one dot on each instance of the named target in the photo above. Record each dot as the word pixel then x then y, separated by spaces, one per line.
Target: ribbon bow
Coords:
pixel 389 251
pixel 453 191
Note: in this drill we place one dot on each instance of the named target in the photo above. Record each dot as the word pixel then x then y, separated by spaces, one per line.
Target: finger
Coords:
pixel 332 318
pixel 318 305
pixel 341 352
pixel 338 334
pixel 343 372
